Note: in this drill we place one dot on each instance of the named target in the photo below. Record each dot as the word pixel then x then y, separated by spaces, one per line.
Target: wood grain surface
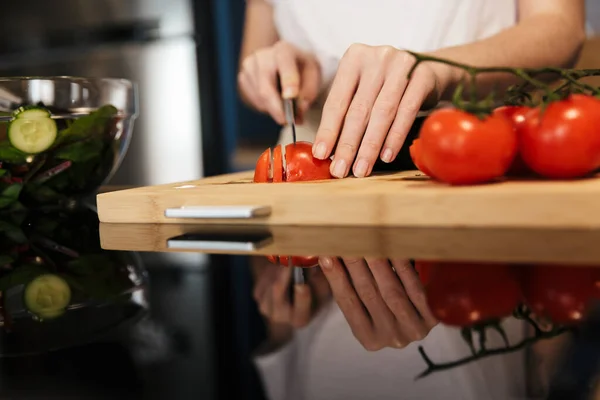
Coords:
pixel 405 199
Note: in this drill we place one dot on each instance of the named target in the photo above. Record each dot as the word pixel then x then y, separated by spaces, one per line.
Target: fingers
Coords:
pixel 310 82
pixel 302 306
pixel 266 84
pixel 287 66
pixel 249 90
pixel 263 282
pixel 320 286
pixel 419 88
pixel 382 116
pixel 279 71
pixel 281 307
pixel 337 103
pixel 395 297
pixel 414 290
pixel 371 108
pixel 347 299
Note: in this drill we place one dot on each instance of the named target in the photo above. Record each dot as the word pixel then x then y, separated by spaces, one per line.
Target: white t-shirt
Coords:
pixel 328 27
pixel 325 362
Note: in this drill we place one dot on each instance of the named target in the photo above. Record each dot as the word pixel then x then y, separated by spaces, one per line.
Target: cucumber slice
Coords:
pixel 47 296
pixel 31 112
pixel 32 131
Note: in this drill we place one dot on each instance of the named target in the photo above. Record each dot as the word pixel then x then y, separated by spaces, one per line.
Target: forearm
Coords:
pixel 539 41
pixel 259 28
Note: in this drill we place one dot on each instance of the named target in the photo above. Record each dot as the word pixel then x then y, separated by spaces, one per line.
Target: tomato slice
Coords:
pixel 278 171
pixel 297 261
pixel 263 167
pixel 302 166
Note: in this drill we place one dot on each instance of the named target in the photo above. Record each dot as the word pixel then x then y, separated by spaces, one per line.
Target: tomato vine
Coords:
pixel 516 94
pixel 522 313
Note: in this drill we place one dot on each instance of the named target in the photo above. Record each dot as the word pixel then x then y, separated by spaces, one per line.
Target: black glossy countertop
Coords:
pixel 197 312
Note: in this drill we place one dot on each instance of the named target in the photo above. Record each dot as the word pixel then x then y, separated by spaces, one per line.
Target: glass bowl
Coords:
pixel 62 137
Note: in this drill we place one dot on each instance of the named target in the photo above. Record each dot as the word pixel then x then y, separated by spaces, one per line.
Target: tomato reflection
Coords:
pixel 297 261
pixel 467 294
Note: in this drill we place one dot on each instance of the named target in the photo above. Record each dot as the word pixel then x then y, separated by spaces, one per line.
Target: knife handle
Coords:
pixel 218 212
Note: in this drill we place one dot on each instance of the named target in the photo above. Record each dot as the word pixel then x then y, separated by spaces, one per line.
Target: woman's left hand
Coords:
pixel 372 105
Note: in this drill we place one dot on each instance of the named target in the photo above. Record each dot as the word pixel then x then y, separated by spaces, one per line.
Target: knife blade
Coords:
pixel 298 272
pixel 289 107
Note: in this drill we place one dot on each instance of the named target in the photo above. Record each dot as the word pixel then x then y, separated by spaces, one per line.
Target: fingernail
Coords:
pixel 300 289
pixel 361 168
pixel 339 168
pixel 387 155
pixel 319 151
pixel 289 92
pixel 325 262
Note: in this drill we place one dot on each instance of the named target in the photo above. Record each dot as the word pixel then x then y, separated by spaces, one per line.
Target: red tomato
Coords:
pixel 297 261
pixel 460 149
pixel 560 293
pixel 263 166
pixel 425 270
pixel 300 165
pixel 415 154
pixel 517 115
pixel 563 141
pixel 278 172
pixel 466 294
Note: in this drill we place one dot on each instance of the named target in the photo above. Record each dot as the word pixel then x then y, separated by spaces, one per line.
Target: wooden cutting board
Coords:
pixel 404 199
pixel 552 246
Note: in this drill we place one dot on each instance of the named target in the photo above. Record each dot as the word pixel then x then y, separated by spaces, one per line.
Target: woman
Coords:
pixel 346 63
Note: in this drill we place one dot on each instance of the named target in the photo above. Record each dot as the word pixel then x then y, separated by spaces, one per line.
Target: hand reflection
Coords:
pixel 383 300
pixel 282 314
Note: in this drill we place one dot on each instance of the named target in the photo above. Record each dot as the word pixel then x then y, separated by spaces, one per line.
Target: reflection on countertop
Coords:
pixel 374 313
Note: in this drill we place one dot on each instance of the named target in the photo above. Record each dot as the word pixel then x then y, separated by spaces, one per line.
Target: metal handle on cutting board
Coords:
pixel 218 212
pixel 223 241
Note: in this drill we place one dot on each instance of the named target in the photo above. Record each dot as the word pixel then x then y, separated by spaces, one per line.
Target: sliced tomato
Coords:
pixel 302 166
pixel 263 167
pixel 278 172
pixel 561 293
pixel 297 261
pixel 467 294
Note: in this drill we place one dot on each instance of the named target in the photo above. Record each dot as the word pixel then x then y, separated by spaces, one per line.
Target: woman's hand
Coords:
pixel 382 300
pixel 297 71
pixel 282 315
pixel 372 105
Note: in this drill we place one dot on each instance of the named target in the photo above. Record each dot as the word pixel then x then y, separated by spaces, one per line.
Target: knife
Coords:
pixel 289 107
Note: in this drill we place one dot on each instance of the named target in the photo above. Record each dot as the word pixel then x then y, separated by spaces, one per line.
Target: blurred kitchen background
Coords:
pixel 183 54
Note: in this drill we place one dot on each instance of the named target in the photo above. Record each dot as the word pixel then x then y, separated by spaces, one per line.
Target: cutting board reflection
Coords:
pixel 401 199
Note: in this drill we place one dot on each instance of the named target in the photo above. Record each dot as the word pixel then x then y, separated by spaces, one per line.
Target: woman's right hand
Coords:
pixel 297 71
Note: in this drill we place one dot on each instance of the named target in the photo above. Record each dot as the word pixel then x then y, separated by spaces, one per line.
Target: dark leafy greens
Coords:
pixel 64 243
pixel 77 163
